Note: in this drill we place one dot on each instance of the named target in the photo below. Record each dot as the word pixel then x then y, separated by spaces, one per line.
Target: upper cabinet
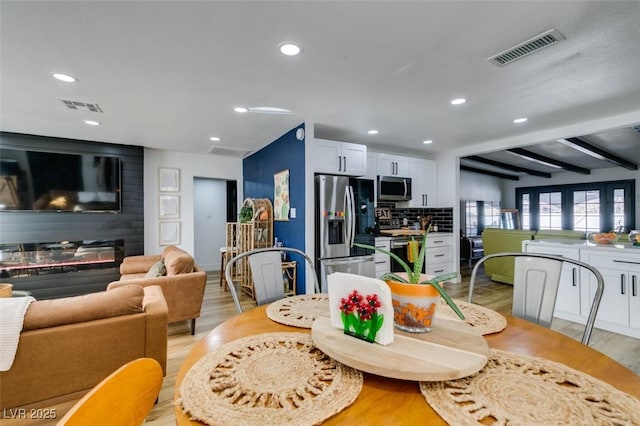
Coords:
pixel 393 165
pixel 340 158
pixel 423 174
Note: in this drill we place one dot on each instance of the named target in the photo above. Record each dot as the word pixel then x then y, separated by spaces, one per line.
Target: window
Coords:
pixel 480 214
pixel 525 210
pixel 586 211
pixel 550 210
pixel 588 207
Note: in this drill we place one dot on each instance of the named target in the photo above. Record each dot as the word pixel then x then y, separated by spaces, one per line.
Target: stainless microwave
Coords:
pixel 394 188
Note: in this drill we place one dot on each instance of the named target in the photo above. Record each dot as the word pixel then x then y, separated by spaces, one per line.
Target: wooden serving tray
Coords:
pixel 452 350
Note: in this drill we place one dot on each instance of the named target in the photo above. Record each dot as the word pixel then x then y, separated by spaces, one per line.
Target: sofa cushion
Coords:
pixel 157 270
pixel 124 300
pixel 177 261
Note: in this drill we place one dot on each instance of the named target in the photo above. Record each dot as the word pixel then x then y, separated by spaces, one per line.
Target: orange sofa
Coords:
pixel 69 345
pixel 182 282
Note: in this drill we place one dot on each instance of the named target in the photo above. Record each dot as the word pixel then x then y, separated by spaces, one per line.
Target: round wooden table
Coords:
pixel 386 401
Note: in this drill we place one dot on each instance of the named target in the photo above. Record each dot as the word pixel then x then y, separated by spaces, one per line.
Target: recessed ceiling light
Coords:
pixel 240 109
pixel 214 139
pixel 520 120
pixel 290 49
pixel 269 110
pixel 92 122
pixel 373 132
pixel 458 101
pixel 64 77
pixel 428 141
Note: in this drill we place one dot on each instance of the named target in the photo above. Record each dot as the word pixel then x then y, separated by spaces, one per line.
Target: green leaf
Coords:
pixel 393 277
pixel 435 283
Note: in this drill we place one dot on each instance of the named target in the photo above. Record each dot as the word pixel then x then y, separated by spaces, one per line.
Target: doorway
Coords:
pixel 213 201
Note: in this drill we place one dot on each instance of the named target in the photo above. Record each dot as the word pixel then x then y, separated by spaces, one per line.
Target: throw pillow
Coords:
pixel 157 270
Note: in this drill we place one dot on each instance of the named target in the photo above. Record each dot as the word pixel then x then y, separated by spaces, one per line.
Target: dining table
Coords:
pixel 388 401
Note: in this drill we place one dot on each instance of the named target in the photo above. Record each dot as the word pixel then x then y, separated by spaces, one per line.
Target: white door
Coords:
pixel 209 222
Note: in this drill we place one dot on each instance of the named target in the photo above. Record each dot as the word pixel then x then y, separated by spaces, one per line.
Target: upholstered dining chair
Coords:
pixel 124 398
pixel 535 287
pixel 266 272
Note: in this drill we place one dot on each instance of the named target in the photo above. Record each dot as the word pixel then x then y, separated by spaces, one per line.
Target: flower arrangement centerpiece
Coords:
pixel 360 316
pixel 415 296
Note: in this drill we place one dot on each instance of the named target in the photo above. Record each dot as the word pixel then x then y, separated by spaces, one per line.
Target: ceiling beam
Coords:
pixel 600 154
pixel 532 156
pixel 489 172
pixel 507 166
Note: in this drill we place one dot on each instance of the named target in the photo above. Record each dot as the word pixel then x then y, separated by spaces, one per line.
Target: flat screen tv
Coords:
pixel 51 181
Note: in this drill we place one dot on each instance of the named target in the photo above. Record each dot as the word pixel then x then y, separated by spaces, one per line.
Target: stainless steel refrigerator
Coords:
pixel 344 215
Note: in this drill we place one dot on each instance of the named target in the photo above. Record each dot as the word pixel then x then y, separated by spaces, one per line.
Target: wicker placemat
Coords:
pixel 268 379
pixel 485 320
pixel 523 390
pixel 299 311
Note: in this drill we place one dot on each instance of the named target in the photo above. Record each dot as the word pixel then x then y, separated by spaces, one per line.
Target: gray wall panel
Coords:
pixel 43 227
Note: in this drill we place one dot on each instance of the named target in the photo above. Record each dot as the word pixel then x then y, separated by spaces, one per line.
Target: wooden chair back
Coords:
pixel 125 397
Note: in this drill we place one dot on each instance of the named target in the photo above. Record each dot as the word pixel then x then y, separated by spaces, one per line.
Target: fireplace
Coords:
pixel 30 259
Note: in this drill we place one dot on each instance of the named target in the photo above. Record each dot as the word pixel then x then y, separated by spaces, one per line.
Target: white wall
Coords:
pixel 190 166
pixel 476 186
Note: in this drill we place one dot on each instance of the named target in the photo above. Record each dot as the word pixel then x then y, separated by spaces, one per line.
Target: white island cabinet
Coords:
pixel 619 265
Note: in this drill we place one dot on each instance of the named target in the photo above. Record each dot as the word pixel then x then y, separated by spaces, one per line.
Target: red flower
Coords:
pixel 355 297
pixel 347 306
pixel 364 311
pixel 373 302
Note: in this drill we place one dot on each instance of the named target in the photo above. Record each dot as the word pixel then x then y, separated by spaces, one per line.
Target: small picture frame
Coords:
pixel 169 233
pixel 281 203
pixel 169 206
pixel 168 179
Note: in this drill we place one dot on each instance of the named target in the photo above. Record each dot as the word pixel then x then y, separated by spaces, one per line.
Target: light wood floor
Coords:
pixel 218 306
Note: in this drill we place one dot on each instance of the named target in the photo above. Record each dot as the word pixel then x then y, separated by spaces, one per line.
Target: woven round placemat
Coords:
pixel 268 379
pixel 523 390
pixel 299 311
pixel 485 320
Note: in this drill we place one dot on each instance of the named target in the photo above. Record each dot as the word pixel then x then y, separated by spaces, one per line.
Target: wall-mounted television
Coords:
pixel 51 181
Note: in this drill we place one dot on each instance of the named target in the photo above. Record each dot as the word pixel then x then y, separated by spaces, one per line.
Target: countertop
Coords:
pixel 587 244
pixel 402 232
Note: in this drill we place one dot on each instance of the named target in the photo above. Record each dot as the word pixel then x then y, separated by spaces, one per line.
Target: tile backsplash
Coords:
pixel 441 216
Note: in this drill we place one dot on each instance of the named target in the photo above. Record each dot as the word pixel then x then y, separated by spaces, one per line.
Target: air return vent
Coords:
pixel 530 46
pixel 81 106
pixel 228 151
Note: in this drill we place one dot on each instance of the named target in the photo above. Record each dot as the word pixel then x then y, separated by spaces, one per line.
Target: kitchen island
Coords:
pixel 619 264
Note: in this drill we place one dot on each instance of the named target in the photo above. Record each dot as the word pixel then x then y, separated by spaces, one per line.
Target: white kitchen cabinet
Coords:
pixel 568 299
pixel 439 254
pixel 393 165
pixel 341 158
pixel 381 260
pixel 620 305
pixel 423 175
pixel 619 265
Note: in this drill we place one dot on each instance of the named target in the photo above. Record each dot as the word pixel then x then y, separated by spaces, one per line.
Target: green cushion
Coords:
pixel 157 270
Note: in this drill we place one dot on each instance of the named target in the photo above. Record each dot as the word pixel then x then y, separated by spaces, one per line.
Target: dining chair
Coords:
pixel 125 397
pixel 535 287
pixel 266 272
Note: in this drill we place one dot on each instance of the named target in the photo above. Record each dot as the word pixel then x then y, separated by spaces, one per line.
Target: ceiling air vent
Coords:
pixel 81 106
pixel 530 46
pixel 228 151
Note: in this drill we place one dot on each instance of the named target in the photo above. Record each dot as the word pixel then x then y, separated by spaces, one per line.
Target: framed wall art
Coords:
pixel 168 179
pixel 169 233
pixel 169 206
pixel 281 195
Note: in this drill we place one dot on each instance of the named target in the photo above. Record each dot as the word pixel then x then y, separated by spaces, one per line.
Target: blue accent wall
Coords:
pixel 286 152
